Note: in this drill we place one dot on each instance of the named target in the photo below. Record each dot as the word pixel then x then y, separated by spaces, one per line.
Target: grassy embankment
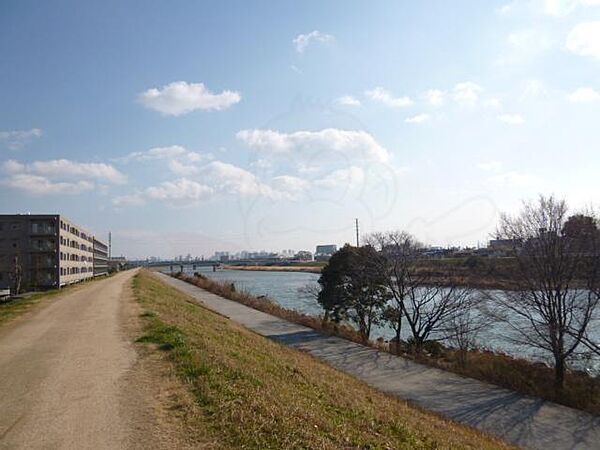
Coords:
pixel 254 393
pixel 535 379
pixel 17 306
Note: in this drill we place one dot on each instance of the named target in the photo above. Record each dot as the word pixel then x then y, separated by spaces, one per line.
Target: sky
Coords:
pixel 194 127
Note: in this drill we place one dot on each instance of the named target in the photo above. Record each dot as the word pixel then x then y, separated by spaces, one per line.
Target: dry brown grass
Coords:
pixel 536 379
pixel 268 306
pixel 257 394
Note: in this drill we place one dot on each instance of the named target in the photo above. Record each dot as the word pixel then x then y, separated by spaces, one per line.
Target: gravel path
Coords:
pixel 63 372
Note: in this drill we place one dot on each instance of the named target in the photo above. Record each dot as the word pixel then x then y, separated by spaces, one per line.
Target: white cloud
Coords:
pixel 435 97
pixel 302 41
pixel 357 144
pixel 419 118
pixel 584 39
pixel 584 95
pixel 553 8
pixel 16 139
pixel 466 93
pixel 534 88
pixel 561 8
pixel 493 102
pixel 182 190
pixel 343 178
pixel 170 152
pixel 59 168
pixel 235 180
pixel 180 97
pixel 290 185
pixel 182 169
pixel 347 100
pixel 511 119
pixel 136 199
pixel 59 176
pixel 66 169
pixel 39 185
pixel 382 95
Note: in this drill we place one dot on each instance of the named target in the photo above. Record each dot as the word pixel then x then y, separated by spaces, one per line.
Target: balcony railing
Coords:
pixel 43 246
pixel 40 229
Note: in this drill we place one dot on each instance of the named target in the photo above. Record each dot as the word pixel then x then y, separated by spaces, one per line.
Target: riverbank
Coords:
pixel 535 379
pixel 473 272
pixel 250 392
pixel 306 269
pixel 526 421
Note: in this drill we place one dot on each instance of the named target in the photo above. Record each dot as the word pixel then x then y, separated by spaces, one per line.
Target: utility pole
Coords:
pixel 357 242
pixel 109 245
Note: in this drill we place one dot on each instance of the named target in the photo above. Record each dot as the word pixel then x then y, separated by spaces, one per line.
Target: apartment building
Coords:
pixel 100 258
pixel 44 251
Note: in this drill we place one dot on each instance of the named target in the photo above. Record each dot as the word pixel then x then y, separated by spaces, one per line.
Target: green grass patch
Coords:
pixel 17 306
pixel 256 394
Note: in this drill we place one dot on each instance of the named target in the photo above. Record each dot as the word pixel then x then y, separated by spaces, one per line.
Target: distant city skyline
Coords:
pixel 233 125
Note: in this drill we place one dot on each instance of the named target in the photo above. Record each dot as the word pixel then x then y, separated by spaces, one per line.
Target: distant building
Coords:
pixel 324 252
pixel 303 255
pixel 502 247
pixel 117 263
pixel 44 251
pixel 100 257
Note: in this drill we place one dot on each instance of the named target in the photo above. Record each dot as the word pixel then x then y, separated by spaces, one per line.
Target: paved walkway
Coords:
pixel 521 420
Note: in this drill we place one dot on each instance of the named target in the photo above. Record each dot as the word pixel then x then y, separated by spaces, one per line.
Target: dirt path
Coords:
pixel 69 374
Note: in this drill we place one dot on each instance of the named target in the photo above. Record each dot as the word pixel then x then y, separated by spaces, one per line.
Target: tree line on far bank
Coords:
pixel 551 310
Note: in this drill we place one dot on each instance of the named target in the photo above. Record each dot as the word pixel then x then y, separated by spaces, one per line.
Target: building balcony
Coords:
pixel 42 230
pixel 43 247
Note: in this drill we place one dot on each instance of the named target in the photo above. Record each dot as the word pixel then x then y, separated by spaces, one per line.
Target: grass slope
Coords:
pixel 254 393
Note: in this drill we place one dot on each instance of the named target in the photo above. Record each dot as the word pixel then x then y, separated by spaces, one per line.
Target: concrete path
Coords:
pixel 521 420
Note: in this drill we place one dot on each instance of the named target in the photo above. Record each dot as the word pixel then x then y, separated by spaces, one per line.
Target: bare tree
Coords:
pixel 401 251
pixel 463 330
pixel 426 307
pixel 16 275
pixel 556 295
pixel 430 311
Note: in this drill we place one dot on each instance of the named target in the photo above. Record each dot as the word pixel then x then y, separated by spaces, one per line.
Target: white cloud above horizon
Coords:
pixel 160 153
pixel 435 97
pixel 584 95
pixel 553 8
pixel 584 39
pixel 180 97
pixel 385 97
pixel 60 176
pixel 303 41
pixel 466 93
pixel 347 100
pixel 350 143
pixel 418 119
pixel 17 139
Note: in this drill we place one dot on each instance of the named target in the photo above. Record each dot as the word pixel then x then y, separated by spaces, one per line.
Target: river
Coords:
pixel 285 288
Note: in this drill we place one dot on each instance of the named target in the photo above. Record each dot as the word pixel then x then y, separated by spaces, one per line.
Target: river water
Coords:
pixel 286 288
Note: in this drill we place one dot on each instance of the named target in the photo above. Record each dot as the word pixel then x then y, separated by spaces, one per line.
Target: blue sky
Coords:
pixel 201 126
